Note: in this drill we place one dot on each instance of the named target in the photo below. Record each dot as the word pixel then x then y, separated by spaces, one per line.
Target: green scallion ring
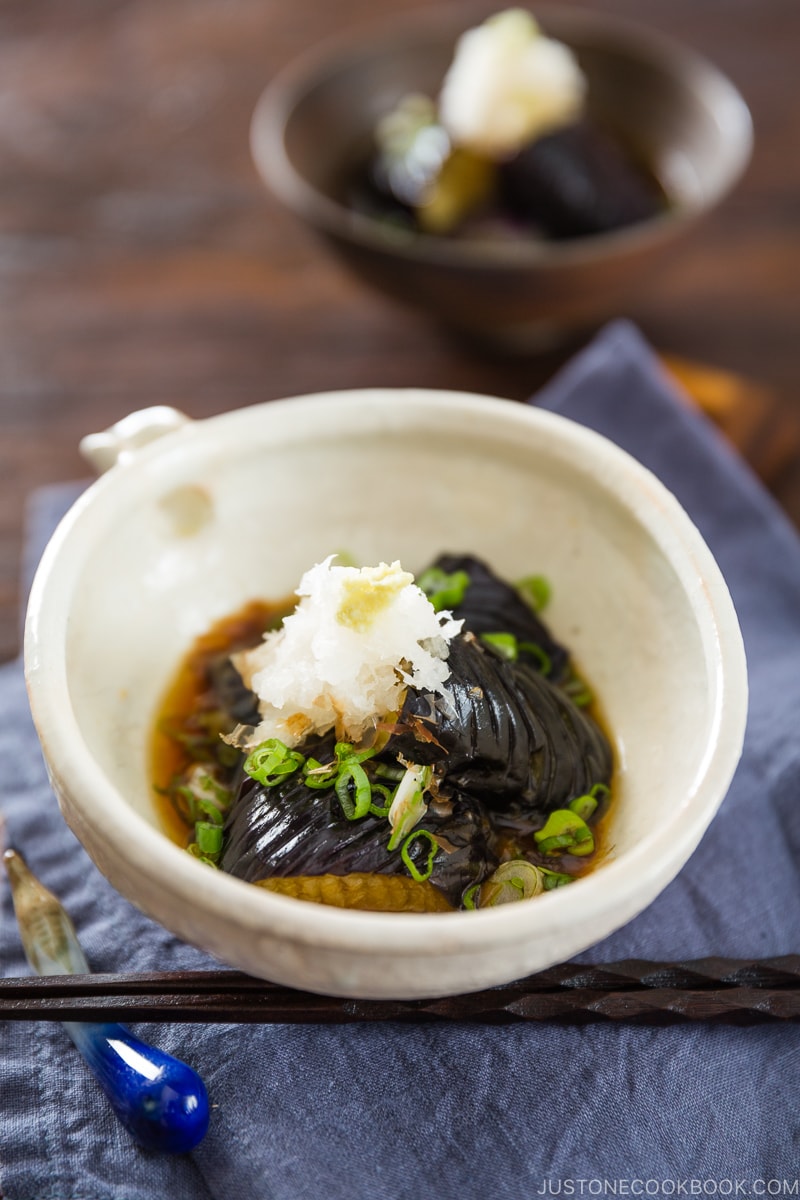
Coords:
pixel 543 659
pixel 443 590
pixel 413 870
pixel 584 806
pixel 316 775
pixel 504 643
pixel 555 879
pixel 272 761
pixel 345 752
pixel 209 837
pixel 535 591
pixel 357 806
pixel 388 796
pixel 197 853
pixel 564 832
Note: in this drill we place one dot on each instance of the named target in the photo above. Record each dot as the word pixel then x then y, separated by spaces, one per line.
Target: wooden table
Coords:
pixel 141 262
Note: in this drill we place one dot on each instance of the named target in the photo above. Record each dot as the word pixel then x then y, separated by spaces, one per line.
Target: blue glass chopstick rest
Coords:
pixel 160 1100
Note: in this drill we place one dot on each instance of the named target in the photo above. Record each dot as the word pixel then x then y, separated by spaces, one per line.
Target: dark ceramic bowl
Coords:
pixel 678 111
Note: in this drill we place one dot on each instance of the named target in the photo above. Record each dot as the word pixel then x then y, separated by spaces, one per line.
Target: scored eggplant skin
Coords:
pixel 490 605
pixel 507 735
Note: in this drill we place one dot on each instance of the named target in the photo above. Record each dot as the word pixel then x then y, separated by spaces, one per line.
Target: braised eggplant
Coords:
pixel 231 694
pixel 509 736
pixel 490 605
pixel 295 830
pixel 577 182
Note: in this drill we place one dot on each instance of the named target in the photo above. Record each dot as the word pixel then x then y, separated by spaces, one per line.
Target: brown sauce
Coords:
pixel 181 722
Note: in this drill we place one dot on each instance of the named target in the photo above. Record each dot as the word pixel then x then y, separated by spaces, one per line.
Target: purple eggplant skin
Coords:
pixel 507 736
pixel 490 605
pixel 577 182
pixel 233 697
pixel 292 829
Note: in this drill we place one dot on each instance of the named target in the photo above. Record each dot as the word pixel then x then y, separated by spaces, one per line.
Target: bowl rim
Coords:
pixel 332 55
pixel 612 886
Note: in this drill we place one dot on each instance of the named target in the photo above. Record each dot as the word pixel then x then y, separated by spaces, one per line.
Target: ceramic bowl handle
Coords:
pixel 120 442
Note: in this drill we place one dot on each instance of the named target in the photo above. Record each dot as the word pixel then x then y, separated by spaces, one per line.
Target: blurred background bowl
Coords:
pixel 690 124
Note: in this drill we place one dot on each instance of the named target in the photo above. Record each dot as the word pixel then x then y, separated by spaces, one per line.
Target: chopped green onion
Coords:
pixel 357 806
pixel 203 786
pixel 536 591
pixel 387 771
pixel 209 837
pixel 564 833
pixel 408 806
pixel 469 896
pixel 414 871
pixel 197 853
pixel 509 647
pixel 584 806
pixel 514 880
pixel 443 590
pixel 345 753
pixel 599 791
pixel 203 744
pixel 555 879
pixel 319 775
pixel 504 643
pixel 579 692
pixel 199 807
pixel 197 795
pixel 272 761
pixel 388 796
pixel 543 659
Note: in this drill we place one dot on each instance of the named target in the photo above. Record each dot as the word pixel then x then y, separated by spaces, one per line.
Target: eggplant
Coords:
pixel 295 830
pixel 232 696
pixel 505 734
pixel 490 605
pixel 576 182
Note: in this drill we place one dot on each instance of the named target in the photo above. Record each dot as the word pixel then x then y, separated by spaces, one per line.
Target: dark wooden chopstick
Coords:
pixel 736 991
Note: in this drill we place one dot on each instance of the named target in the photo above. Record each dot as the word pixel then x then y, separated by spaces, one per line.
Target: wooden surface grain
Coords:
pixel 141 261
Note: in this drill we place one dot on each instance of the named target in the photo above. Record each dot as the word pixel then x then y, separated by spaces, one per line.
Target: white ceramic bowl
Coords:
pixel 213 513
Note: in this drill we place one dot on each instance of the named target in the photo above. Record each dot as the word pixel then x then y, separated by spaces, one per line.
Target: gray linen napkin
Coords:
pixel 395 1112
